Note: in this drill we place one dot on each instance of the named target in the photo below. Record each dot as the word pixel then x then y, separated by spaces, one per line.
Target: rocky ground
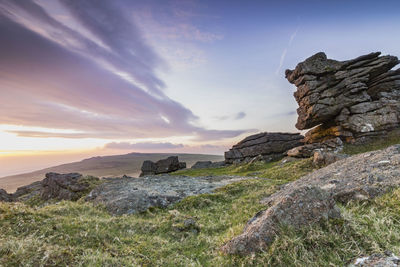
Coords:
pixel 133 195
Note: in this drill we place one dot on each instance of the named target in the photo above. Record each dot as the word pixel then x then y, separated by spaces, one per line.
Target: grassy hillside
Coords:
pixel 109 166
pixel 79 234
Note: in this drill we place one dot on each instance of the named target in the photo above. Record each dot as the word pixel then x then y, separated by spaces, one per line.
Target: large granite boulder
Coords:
pixel 63 186
pixel 4 196
pixel 167 165
pixel 356 178
pixel 348 99
pixel 128 196
pixel 270 146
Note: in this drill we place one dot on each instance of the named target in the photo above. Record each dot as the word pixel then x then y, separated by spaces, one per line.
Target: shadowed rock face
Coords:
pixel 4 196
pixel 349 99
pixel 270 146
pixel 62 186
pixel 359 177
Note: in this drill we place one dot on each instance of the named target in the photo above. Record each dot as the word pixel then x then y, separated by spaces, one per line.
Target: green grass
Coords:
pixel 79 234
pixel 273 170
pixel 392 138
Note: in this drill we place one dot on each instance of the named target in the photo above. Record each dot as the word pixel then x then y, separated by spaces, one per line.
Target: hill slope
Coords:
pixel 109 166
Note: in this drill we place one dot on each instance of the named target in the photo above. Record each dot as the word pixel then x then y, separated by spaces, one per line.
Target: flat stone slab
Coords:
pixel 133 195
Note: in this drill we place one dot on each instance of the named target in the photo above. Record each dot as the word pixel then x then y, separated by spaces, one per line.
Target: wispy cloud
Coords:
pixel 172 25
pixel 103 84
pixel 284 52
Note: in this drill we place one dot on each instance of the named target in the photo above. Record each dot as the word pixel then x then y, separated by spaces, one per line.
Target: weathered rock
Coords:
pixel 347 99
pixel 305 151
pixel 322 158
pixel 201 165
pixel 4 196
pixel 63 186
pixel 377 260
pixel 301 207
pixel 359 177
pixel 270 146
pixel 127 196
pixel 27 192
pixel 167 165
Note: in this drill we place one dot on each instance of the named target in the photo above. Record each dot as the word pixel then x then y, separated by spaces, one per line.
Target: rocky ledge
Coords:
pixel 313 197
pixel 133 195
pixel 269 146
pixel 351 99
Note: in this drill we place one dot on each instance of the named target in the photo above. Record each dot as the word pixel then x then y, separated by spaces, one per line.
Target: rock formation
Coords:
pixel 270 146
pixel 207 164
pixel 70 186
pixel 127 196
pixel 359 177
pixel 167 165
pixel 349 99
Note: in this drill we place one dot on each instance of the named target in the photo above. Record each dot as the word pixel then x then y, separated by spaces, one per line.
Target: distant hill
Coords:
pixel 105 166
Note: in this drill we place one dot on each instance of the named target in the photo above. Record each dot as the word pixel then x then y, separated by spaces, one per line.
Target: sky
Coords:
pixel 96 77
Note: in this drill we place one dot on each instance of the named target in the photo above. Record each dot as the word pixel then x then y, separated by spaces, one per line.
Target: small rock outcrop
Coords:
pixel 127 196
pixel 207 164
pixel 359 177
pixel 167 165
pixel 305 151
pixel 271 146
pixel 63 186
pixel 351 99
pixel 4 196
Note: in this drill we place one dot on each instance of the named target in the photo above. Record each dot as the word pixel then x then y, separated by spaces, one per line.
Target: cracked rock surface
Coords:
pixel 133 195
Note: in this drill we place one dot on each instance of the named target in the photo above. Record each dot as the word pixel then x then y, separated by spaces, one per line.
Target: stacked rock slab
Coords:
pixel 270 146
pixel 350 99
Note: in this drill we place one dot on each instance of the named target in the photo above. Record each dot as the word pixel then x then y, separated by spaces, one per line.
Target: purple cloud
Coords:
pixel 102 85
